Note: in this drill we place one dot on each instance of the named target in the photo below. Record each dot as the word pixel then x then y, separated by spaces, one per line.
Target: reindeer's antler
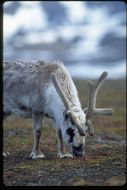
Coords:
pixel 92 110
pixel 60 91
pixel 66 103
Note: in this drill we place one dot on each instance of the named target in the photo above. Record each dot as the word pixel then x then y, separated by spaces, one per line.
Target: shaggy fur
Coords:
pixel 29 92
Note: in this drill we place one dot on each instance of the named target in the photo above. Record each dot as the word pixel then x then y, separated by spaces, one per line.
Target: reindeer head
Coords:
pixel 77 120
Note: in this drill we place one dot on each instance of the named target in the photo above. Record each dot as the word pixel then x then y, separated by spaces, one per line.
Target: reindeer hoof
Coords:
pixel 6 154
pixel 64 155
pixel 37 156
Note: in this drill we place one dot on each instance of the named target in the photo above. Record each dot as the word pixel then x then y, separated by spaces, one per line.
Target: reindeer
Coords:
pixel 37 89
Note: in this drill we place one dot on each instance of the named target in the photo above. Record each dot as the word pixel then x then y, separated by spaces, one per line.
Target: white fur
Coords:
pixel 55 107
pixel 45 99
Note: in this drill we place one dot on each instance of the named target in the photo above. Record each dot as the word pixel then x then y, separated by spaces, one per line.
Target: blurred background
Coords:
pixel 88 36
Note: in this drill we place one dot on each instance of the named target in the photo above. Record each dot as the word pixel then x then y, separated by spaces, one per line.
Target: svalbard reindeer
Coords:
pixel 38 89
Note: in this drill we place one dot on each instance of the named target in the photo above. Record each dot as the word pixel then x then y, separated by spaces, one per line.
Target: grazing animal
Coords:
pixel 36 89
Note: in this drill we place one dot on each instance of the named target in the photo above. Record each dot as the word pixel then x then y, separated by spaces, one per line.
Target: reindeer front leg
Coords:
pixel 61 147
pixel 37 123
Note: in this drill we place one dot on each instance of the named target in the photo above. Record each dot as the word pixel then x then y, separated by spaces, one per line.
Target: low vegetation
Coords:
pixel 105 160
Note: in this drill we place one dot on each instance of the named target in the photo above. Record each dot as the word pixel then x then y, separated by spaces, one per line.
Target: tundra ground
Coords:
pixel 105 160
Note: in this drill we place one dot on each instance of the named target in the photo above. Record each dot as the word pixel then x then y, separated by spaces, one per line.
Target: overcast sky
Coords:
pixel 31 17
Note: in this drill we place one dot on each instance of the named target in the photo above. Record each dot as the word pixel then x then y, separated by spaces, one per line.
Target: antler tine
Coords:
pixel 79 127
pixel 103 111
pixel 94 88
pixel 90 128
pixel 60 91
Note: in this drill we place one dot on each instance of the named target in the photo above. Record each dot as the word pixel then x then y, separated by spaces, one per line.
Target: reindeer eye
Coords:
pixel 65 115
pixel 71 133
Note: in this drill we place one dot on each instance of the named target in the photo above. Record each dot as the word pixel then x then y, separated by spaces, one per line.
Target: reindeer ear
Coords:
pixel 85 110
